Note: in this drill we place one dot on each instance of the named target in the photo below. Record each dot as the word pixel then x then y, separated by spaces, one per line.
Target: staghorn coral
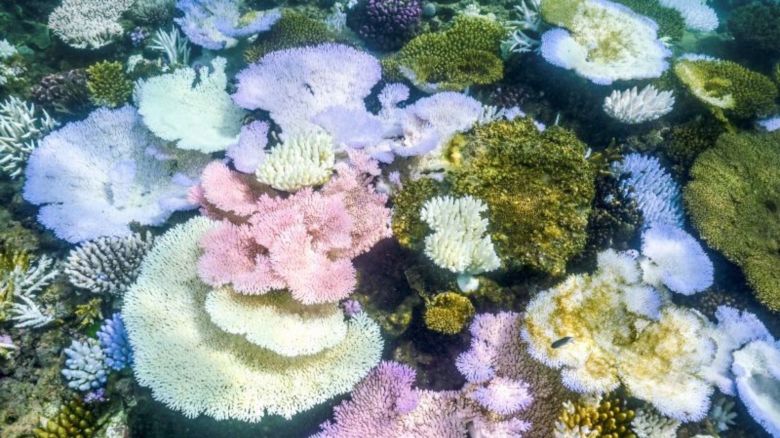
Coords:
pixel 622 331
pixel 198 116
pixel 21 128
pixel 606 417
pixel 294 29
pixel 196 368
pixel 727 88
pixel 733 200
pixel 73 420
pixel 448 312
pixel 301 161
pixel 112 336
pixel 538 188
pixel 94 177
pixel 656 193
pixel 458 242
pixel 385 24
pixel 88 24
pixel 88 313
pixel 107 84
pixel 465 54
pixel 21 279
pixel 294 85
pixel 85 366
pixel 107 265
pixel 602 41
pixel 633 106
pixel 217 24
pixel 303 243
pixel 27 313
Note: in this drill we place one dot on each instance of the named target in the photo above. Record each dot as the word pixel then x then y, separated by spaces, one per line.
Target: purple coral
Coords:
pixel 216 24
pixel 386 24
pixel 503 396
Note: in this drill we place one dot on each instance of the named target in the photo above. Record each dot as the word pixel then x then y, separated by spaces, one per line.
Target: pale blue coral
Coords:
pixel 655 191
pixel 113 341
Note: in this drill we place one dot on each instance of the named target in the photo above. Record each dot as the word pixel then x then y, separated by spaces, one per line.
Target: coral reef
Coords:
pixel 670 22
pixel 211 372
pixel 600 416
pixel 756 27
pixel 113 341
pixel 107 265
pixel 85 366
pixel 732 199
pixel 294 29
pixel 65 92
pixel 448 312
pixel 656 193
pixel 697 15
pixel 94 177
pixel 88 24
pixel 107 84
pixel 538 188
pixel 727 87
pixel 217 24
pixel 385 24
pixel 21 128
pixel 303 160
pixel 74 420
pixel 199 117
pixel 464 54
pixel 634 106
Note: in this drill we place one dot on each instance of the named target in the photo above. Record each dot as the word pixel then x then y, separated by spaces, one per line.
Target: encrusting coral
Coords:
pixel 465 54
pixel 733 200
pixel 107 84
pixel 538 187
pixel 448 312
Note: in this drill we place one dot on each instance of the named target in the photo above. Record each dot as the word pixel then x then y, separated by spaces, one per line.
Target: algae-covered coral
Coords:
pixel 733 200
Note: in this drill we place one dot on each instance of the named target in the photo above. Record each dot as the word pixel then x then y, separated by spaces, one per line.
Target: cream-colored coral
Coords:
pixel 648 424
pixel 88 24
pixel 196 368
pixel 658 352
pixel 277 322
pixel 301 161
pixel 191 108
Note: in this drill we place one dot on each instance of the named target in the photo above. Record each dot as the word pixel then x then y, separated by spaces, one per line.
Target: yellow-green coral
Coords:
pixel 294 29
pixel 88 313
pixel 407 226
pixel 670 22
pixel 734 201
pixel 11 263
pixel 595 417
pixel 465 54
pixel 107 84
pixel 538 187
pixel 74 420
pixel 688 140
pixel 448 312
pixel 727 88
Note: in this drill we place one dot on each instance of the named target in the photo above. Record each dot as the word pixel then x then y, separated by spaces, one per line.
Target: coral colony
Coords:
pixel 389 218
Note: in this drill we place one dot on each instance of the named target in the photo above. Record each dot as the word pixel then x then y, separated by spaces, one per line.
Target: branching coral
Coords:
pixel 22 279
pixel 386 24
pixel 112 336
pixel 465 54
pixel 107 84
pixel 733 200
pixel 94 177
pixel 727 87
pixel 85 366
pixel 621 331
pixel 294 85
pixel 303 160
pixel 217 24
pixel 648 424
pixel 595 417
pixel 303 243
pixel 196 115
pixel 538 188
pixel 602 41
pixel 634 106
pixel 21 128
pixel 656 193
pixel 194 367
pixel 88 24
pixel 756 27
pixel 74 419
pixel 107 264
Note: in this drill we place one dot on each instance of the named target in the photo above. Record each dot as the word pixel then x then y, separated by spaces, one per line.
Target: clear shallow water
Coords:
pixel 431 165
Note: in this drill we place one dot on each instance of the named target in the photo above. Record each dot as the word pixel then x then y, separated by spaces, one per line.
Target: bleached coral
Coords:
pixel 633 106
pixel 88 24
pixel 198 115
pixel 107 264
pixel 655 191
pixel 296 84
pixel 675 259
pixel 94 177
pixel 303 160
pixel 28 278
pixel 659 355
pixel 722 414
pixel 697 15
pixel 503 396
pixel 194 367
pixel 173 45
pixel 28 313
pixel 249 151
pixel 459 241
pixel 770 124
pixel 277 322
pixel 85 366
pixel 757 375
pixel 217 24
pixel 605 42
pixel 648 424
pixel 21 128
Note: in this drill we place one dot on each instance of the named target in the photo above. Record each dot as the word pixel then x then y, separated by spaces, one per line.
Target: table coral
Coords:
pixel 733 200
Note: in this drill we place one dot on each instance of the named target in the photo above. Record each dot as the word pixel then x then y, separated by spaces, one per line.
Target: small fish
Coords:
pixel 561 342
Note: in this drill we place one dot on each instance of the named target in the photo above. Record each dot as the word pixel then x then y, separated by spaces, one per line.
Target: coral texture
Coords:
pixel 448 312
pixel 107 84
pixel 697 15
pixel 85 366
pixel 303 160
pixel 656 193
pixel 217 24
pixel 386 24
pixel 88 24
pixel 21 128
pixel 675 259
pixel 113 341
pixel 634 106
